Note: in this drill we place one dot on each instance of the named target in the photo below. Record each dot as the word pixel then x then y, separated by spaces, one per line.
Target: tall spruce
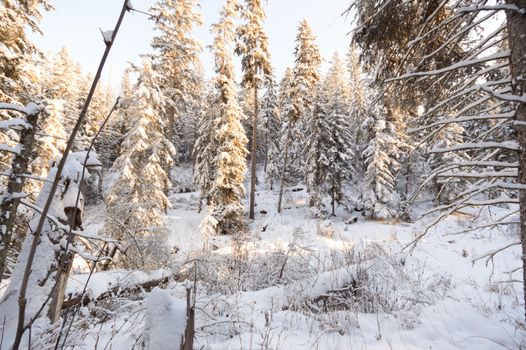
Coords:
pixel 177 60
pixel 358 109
pixel 205 150
pixel 227 190
pixel 255 62
pixel 329 148
pixel 16 50
pixel 271 127
pixel 136 207
pixel 302 89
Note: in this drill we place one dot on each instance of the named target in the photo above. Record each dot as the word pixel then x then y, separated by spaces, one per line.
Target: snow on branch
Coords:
pixel 483 163
pixel 500 7
pixel 87 256
pixel 509 145
pixel 14 123
pixel 491 225
pixel 461 119
pixel 15 149
pixel 456 37
pixel 505 97
pixel 483 175
pixel 491 254
pixel 107 36
pixel 30 109
pixel 467 89
pixel 467 201
pixel 462 64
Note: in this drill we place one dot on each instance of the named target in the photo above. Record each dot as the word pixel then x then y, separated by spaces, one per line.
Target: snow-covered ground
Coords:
pixel 294 282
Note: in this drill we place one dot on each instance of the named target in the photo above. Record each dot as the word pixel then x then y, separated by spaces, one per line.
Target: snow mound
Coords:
pixel 165 321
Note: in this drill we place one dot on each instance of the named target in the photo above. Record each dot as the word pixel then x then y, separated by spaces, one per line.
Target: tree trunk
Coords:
pixel 15 185
pixel 254 155
pixel 266 152
pixel 333 200
pixel 285 159
pixel 516 23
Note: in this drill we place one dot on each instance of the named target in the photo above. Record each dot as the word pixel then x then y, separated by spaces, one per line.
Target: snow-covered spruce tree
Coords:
pixel 383 38
pixel 227 189
pixel 16 58
pixel 447 188
pixel 305 77
pixel 177 60
pixel 109 141
pixel 196 106
pixel 255 62
pixel 117 126
pixel 380 197
pixel 205 150
pixel 15 48
pixel 358 109
pixel 12 194
pixel 329 147
pixel 63 79
pixel 101 104
pixel 284 108
pixel 271 127
pixel 49 148
pixel 137 202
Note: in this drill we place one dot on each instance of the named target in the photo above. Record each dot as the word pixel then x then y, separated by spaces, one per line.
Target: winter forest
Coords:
pixel 372 199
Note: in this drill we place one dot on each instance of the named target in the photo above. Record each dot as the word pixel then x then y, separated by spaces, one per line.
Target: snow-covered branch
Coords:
pixel 494 252
pixel 499 7
pixel 509 145
pixel 30 109
pixel 462 64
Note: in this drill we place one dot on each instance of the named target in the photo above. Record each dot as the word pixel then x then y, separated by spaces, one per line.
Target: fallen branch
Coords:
pixel 117 291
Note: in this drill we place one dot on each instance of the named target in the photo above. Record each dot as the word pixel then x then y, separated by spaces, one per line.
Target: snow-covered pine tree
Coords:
pixel 136 207
pixel 177 60
pixel 117 125
pixel 305 77
pixel 271 127
pixel 255 62
pixel 340 168
pixel 329 147
pixel 316 159
pixel 188 124
pixel 227 189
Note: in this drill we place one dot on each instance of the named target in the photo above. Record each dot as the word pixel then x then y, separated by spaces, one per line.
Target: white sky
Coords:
pixel 75 24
